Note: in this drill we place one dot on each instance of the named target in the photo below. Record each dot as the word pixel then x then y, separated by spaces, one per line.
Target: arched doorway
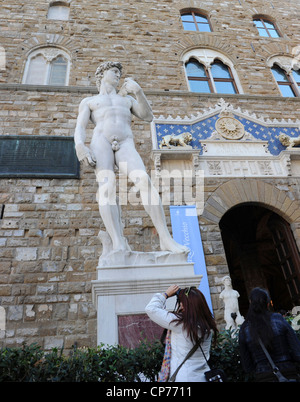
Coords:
pixel 261 251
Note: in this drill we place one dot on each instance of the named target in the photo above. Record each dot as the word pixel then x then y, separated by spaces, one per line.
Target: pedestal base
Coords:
pixel 126 290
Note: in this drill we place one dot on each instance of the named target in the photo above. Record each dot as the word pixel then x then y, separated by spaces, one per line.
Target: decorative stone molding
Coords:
pixel 49 53
pixel 296 57
pixel 46 39
pixel 192 5
pixel 219 107
pixel 234 166
pixel 238 191
pixel 287 55
pixel 206 41
pixel 229 142
pixel 264 11
pixel 230 128
pixel 287 63
pixel 192 155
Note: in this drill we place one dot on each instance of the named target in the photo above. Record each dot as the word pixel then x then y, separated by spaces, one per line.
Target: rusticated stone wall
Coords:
pixel 48 228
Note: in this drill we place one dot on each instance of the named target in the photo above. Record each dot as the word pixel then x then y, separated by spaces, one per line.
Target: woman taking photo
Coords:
pixel 191 323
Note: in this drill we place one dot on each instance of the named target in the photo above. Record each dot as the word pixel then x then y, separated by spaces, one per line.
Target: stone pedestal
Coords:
pixel 126 289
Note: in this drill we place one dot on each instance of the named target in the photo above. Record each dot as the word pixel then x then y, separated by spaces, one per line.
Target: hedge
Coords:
pixel 30 363
pixel 102 364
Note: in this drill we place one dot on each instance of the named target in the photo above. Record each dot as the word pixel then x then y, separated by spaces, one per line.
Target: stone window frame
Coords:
pixel 266 19
pixel 50 54
pixel 56 4
pixel 207 57
pixel 196 12
pixel 287 64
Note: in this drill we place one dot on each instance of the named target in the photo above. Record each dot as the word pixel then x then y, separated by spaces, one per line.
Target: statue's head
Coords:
pixel 103 67
pixel 284 139
pixel 226 280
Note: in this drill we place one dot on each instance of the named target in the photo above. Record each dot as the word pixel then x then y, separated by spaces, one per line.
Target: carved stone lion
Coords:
pixel 172 139
pixel 289 141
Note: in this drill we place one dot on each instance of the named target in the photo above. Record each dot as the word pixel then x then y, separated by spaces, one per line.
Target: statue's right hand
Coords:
pixel 91 160
pixel 85 155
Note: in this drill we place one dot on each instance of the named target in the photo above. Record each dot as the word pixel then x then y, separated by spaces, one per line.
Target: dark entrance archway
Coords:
pixel 261 251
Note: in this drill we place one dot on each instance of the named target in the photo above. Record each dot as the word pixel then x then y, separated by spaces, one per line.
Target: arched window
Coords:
pixel 222 78
pixel 58 10
pixel 266 28
pixel 47 66
pixel 193 21
pixel 289 84
pixel 217 78
pixel 198 77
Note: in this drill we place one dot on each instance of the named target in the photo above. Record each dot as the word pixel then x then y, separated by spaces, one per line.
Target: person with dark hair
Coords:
pixel 190 323
pixel 276 334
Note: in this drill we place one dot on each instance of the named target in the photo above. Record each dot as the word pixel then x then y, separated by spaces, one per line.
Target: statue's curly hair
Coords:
pixel 106 66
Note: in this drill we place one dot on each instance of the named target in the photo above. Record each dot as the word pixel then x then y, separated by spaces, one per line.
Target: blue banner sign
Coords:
pixel 185 228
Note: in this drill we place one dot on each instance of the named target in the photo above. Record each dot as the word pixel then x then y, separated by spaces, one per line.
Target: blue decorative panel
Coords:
pixel 202 130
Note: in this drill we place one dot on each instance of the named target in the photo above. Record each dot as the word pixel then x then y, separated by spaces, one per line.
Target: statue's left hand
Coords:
pixel 129 87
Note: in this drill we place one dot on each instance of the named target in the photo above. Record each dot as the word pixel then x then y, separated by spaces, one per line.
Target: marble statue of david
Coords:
pixel 113 144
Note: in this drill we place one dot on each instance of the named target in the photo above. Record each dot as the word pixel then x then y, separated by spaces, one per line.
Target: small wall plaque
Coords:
pixel 38 156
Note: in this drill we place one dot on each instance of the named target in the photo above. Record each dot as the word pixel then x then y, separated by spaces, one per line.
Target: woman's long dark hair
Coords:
pixel 195 314
pixel 259 317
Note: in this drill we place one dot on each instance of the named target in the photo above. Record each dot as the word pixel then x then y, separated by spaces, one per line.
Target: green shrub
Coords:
pixel 103 364
pixel 18 364
pixel 108 364
pixel 226 355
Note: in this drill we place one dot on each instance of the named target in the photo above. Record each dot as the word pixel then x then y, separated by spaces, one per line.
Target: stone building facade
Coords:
pixel 49 248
